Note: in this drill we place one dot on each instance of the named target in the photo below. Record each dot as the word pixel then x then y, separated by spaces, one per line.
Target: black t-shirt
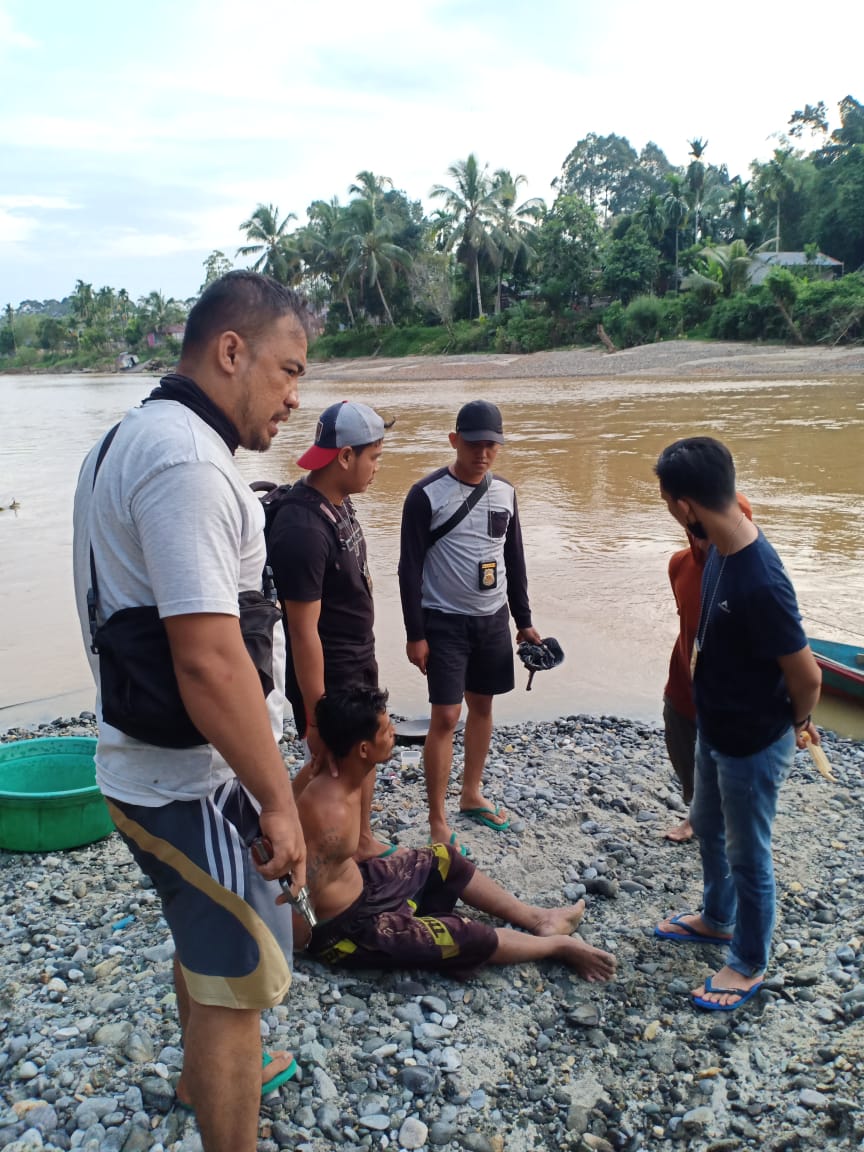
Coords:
pixel 749 618
pixel 318 556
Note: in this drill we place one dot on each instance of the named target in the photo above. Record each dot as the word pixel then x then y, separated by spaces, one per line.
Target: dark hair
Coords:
pixel 245 303
pixel 698 468
pixel 350 715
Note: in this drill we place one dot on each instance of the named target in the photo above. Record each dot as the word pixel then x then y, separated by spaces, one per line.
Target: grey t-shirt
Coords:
pixel 172 523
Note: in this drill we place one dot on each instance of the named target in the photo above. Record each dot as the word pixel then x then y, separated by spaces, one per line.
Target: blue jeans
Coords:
pixel 733 810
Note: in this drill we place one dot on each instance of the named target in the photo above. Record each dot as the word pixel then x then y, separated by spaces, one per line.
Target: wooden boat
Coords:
pixel 842 668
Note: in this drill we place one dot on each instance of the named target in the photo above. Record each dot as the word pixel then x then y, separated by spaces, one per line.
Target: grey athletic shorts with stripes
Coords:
pixel 232 940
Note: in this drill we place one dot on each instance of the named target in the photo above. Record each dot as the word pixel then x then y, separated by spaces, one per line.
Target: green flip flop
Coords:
pixel 281 1078
pixel 485 816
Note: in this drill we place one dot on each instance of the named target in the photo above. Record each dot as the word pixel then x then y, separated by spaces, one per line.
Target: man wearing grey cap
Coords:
pixel 461 576
pixel 318 555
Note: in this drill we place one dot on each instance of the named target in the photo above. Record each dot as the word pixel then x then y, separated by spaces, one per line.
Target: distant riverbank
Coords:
pixel 675 359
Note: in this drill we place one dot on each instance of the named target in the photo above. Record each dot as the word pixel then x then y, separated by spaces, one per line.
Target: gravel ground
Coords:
pixel 515 1059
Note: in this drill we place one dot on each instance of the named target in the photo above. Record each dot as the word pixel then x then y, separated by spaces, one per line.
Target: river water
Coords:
pixel 598 538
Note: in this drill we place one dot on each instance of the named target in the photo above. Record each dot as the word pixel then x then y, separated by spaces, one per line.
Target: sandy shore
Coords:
pixel 676 360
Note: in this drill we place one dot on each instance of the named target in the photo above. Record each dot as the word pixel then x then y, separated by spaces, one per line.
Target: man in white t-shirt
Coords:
pixel 170 529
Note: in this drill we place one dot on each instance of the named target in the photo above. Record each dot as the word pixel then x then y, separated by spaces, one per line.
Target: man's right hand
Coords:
pixel 418 654
pixel 282 829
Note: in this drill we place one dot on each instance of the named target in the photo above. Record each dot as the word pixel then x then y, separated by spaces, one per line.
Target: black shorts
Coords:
pixel 365 674
pixel 468 654
pixel 404 917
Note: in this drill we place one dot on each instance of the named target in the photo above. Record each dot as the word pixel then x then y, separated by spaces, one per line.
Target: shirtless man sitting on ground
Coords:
pixel 398 912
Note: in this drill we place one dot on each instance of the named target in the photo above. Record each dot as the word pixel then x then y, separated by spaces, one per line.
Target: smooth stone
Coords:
pixel 413 1133
pixel 378 1122
pixel 323 1084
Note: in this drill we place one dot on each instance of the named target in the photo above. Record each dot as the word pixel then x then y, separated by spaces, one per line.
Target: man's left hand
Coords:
pixel 529 635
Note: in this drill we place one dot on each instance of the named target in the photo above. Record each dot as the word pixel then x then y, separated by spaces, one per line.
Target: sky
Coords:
pixel 135 139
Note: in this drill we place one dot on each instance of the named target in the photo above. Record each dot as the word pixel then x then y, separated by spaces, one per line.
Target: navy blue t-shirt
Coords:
pixel 750 618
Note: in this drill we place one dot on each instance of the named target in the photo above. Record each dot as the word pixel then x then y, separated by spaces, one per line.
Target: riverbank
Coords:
pixel 515 1060
pixel 673 360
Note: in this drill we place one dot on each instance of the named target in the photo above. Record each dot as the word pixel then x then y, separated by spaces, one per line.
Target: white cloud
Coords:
pixel 284 104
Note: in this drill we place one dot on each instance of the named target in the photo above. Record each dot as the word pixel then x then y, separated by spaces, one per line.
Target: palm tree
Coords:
pixel 696 180
pixel 652 217
pixel 372 257
pixel 83 302
pixel 731 265
pixel 513 225
pixel 776 182
pixel 270 243
pixel 370 187
pixel 471 206
pixel 321 246
pixel 738 203
pixel 675 206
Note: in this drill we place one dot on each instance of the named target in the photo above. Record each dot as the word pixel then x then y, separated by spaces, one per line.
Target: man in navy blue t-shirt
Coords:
pixel 755 684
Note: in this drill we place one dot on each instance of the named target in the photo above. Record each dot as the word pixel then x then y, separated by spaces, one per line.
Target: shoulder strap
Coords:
pixel 275 495
pixel 93 590
pixel 461 512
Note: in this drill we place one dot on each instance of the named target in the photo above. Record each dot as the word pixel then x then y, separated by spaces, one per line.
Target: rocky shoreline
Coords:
pixel 515 1059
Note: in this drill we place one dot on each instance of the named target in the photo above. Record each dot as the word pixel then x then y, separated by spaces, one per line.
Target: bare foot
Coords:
pixel 368 848
pixel 591 963
pixel 700 930
pixel 681 833
pixel 734 986
pixel 499 817
pixel 558 921
pixel 441 834
pixel 279 1061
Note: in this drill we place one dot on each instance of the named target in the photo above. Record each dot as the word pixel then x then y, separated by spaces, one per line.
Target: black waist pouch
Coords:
pixel 140 695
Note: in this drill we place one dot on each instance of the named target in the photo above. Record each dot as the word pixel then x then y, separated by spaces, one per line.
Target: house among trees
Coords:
pixel 823 267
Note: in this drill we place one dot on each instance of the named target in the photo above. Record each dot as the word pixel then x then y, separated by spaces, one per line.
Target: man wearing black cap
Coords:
pixel 461 576
pixel 318 554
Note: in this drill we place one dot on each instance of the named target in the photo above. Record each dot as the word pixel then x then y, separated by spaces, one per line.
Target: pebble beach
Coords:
pixel 513 1060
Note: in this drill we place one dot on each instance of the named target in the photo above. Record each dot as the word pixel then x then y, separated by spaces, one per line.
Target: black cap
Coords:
pixel 480 420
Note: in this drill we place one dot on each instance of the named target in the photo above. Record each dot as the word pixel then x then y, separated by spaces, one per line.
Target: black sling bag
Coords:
pixel 139 689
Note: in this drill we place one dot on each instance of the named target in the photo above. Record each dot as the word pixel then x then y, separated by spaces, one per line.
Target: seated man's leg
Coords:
pixel 228 965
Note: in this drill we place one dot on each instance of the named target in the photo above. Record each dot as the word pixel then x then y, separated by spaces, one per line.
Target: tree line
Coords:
pixel 630 246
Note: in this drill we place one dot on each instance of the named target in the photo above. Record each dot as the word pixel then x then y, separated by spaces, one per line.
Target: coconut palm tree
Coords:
pixel 372 256
pixel 471 205
pixel 269 241
pixel 729 267
pixel 675 206
pixel 370 187
pixel 513 224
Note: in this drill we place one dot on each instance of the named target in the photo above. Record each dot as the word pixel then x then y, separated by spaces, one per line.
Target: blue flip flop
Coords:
pixel 281 1078
pixel 389 851
pixel 485 816
pixel 710 1006
pixel 689 935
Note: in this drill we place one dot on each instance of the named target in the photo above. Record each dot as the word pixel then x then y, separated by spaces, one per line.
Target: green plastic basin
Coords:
pixel 48 795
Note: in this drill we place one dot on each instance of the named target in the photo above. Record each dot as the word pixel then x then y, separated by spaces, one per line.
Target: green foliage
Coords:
pixel 631 265
pixel 645 320
pixel 7 341
pixel 524 330
pixel 750 315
